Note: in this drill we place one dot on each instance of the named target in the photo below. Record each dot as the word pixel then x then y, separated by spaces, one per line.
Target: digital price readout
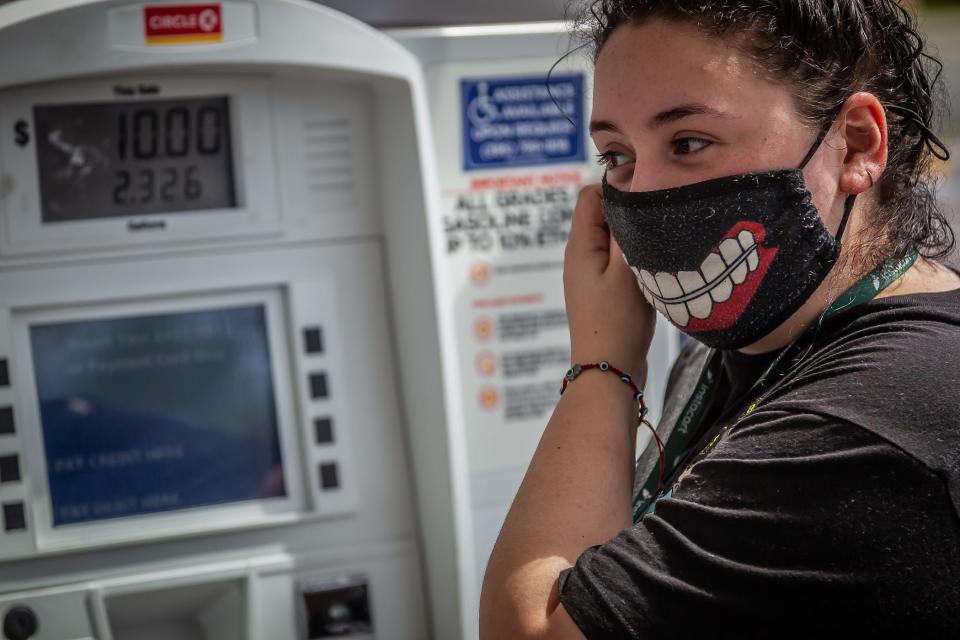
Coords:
pixel 121 159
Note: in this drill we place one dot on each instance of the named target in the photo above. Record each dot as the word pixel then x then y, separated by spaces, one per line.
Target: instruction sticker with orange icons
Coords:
pixel 505 236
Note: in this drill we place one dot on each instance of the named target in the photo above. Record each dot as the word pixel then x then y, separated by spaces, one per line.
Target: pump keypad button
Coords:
pixel 9 469
pixel 329 476
pixel 313 340
pixel 318 386
pixel 323 430
pixel 14 518
pixel 6 421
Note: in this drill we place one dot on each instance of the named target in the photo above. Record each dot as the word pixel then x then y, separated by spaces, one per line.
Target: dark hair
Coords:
pixel 827 50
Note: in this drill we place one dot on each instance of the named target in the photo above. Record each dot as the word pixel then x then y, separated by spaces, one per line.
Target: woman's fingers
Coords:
pixel 588 229
pixel 608 317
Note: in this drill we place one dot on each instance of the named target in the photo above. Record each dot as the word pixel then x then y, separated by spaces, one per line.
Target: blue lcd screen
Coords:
pixel 155 413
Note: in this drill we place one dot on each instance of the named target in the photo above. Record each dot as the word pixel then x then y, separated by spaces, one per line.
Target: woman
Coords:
pixel 767 188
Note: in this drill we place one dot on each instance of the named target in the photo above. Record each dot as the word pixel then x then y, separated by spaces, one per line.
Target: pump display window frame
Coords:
pixel 163 524
pixel 257 211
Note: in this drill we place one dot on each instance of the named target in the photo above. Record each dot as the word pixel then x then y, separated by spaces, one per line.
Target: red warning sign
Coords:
pixel 183 23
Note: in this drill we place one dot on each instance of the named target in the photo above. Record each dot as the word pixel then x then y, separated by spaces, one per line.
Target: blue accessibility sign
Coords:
pixel 522 121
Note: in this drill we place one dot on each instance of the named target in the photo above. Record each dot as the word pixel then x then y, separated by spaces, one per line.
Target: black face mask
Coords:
pixel 726 260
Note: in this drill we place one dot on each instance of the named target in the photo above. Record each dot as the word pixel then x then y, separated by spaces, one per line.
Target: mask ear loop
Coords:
pixel 847 208
pixel 848 205
pixel 934 144
pixel 816 146
pixel 820 136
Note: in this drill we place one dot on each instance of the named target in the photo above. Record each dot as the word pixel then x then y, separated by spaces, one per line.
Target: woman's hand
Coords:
pixel 608 315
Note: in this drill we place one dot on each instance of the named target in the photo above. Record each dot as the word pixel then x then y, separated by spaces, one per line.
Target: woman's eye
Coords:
pixel 613 159
pixel 688 146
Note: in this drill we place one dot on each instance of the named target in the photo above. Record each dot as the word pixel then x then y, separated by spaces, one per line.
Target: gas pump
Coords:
pixel 222 412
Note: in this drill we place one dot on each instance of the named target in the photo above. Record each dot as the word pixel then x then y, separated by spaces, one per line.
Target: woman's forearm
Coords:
pixel 575 494
pixel 577 489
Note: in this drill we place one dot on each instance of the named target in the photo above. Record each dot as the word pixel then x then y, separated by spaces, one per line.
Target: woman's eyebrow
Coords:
pixel 678 113
pixel 603 125
pixel 664 117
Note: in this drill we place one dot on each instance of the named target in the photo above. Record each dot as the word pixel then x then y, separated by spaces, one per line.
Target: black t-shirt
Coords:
pixel 833 509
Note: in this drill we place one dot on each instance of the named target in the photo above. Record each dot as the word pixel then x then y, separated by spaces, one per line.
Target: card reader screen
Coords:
pixel 120 159
pixel 156 413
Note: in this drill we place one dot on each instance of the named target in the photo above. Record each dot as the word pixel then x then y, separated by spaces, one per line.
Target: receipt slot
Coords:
pixel 222 412
pixel 512 152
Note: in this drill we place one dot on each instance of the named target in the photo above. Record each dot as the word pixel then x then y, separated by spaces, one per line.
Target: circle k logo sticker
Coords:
pixel 183 24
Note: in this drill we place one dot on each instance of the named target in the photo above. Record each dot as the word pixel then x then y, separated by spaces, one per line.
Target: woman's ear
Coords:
pixel 863 125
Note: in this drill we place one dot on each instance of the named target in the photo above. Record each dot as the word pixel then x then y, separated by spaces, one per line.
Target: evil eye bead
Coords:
pixel 604 366
pixel 625 378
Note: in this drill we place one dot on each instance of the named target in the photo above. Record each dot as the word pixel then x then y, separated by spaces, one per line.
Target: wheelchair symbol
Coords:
pixel 482 109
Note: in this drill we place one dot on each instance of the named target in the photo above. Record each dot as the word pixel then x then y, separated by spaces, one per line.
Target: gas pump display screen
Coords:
pixel 157 413
pixel 121 159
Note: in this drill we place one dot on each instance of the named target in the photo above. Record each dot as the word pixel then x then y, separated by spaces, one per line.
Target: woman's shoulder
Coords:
pixel 903 340
pixel 891 367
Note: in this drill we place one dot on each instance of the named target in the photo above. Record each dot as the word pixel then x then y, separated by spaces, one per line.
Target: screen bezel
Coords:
pixel 257 211
pixel 163 524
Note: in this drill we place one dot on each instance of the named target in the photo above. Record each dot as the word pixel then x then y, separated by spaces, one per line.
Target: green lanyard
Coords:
pixel 687 424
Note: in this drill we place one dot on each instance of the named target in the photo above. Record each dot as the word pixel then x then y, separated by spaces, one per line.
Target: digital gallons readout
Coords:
pixel 122 159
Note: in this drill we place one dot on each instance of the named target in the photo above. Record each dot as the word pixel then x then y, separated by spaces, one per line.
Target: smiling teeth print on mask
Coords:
pixel 689 294
pixel 712 296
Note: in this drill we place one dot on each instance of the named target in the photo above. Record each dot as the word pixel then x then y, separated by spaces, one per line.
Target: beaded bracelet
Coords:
pixel 574 372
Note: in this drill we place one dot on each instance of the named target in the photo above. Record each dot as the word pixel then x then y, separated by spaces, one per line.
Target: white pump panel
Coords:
pixel 513 151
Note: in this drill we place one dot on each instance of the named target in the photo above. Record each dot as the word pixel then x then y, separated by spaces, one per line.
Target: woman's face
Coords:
pixel 672 107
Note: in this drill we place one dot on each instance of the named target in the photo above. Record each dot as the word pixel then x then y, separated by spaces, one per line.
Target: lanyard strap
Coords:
pixel 696 407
